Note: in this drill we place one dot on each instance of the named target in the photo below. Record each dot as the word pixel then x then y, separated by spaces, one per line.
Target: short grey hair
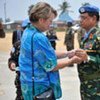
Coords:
pixel 41 10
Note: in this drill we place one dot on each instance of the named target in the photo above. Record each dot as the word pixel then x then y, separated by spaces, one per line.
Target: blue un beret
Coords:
pixel 88 8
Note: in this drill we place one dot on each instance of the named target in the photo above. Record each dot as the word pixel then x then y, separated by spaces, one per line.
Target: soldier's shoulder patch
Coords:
pixel 98 37
pixel 98 31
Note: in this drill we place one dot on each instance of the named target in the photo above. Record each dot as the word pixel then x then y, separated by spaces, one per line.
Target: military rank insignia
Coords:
pixel 91 36
pixel 90 46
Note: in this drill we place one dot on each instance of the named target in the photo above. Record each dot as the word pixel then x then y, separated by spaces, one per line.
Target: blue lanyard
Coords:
pixel 87 34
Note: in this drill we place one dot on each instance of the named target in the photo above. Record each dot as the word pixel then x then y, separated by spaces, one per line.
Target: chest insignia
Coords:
pixel 91 36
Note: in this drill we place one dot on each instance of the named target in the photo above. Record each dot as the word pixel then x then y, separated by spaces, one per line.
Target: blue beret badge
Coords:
pixel 88 8
pixel 82 10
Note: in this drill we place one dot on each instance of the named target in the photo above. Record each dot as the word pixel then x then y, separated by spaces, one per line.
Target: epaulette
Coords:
pixel 98 37
pixel 98 33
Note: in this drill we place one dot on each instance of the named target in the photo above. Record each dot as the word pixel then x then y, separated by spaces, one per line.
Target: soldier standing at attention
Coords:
pixel 89 71
pixel 69 37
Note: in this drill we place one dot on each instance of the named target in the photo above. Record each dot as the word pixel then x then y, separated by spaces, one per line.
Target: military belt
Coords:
pixel 95 75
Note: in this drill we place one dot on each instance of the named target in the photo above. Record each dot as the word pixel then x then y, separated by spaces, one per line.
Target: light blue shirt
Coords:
pixel 44 59
pixel 88 33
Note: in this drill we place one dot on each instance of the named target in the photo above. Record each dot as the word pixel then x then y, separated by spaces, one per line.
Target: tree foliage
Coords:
pixel 85 3
pixel 64 7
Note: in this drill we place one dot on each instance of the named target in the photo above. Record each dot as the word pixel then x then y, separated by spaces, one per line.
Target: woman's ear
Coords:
pixel 41 20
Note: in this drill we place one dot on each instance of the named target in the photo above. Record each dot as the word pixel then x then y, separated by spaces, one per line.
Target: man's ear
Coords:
pixel 94 17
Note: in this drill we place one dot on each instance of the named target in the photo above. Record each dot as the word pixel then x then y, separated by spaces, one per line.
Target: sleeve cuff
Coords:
pixel 88 59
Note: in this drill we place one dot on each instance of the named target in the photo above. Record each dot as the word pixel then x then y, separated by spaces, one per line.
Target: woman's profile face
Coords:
pixel 45 24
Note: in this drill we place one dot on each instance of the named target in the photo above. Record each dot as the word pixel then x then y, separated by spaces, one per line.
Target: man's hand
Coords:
pixel 82 54
pixel 77 55
pixel 12 66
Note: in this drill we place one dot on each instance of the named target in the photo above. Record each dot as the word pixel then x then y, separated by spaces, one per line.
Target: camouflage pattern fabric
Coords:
pixel 80 35
pixel 14 58
pixel 69 39
pixel 15 53
pixel 90 90
pixel 89 72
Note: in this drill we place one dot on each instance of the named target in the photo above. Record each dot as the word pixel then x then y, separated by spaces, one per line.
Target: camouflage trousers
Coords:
pixel 69 44
pixel 90 90
pixel 18 87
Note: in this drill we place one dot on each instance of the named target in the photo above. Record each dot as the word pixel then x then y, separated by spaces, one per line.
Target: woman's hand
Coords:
pixel 71 53
pixel 75 59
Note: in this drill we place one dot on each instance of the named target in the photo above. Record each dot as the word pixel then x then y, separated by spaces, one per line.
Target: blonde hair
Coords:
pixel 41 10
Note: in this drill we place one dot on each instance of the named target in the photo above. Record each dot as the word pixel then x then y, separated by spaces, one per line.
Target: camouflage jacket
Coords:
pixel 69 36
pixel 80 34
pixel 14 54
pixel 91 69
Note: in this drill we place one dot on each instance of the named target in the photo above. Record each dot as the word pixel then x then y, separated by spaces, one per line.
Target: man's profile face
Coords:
pixel 86 21
pixel 19 27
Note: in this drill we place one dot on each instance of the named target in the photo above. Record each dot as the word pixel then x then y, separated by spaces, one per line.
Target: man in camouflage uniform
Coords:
pixel 13 65
pixel 69 37
pixel 89 71
pixel 51 35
